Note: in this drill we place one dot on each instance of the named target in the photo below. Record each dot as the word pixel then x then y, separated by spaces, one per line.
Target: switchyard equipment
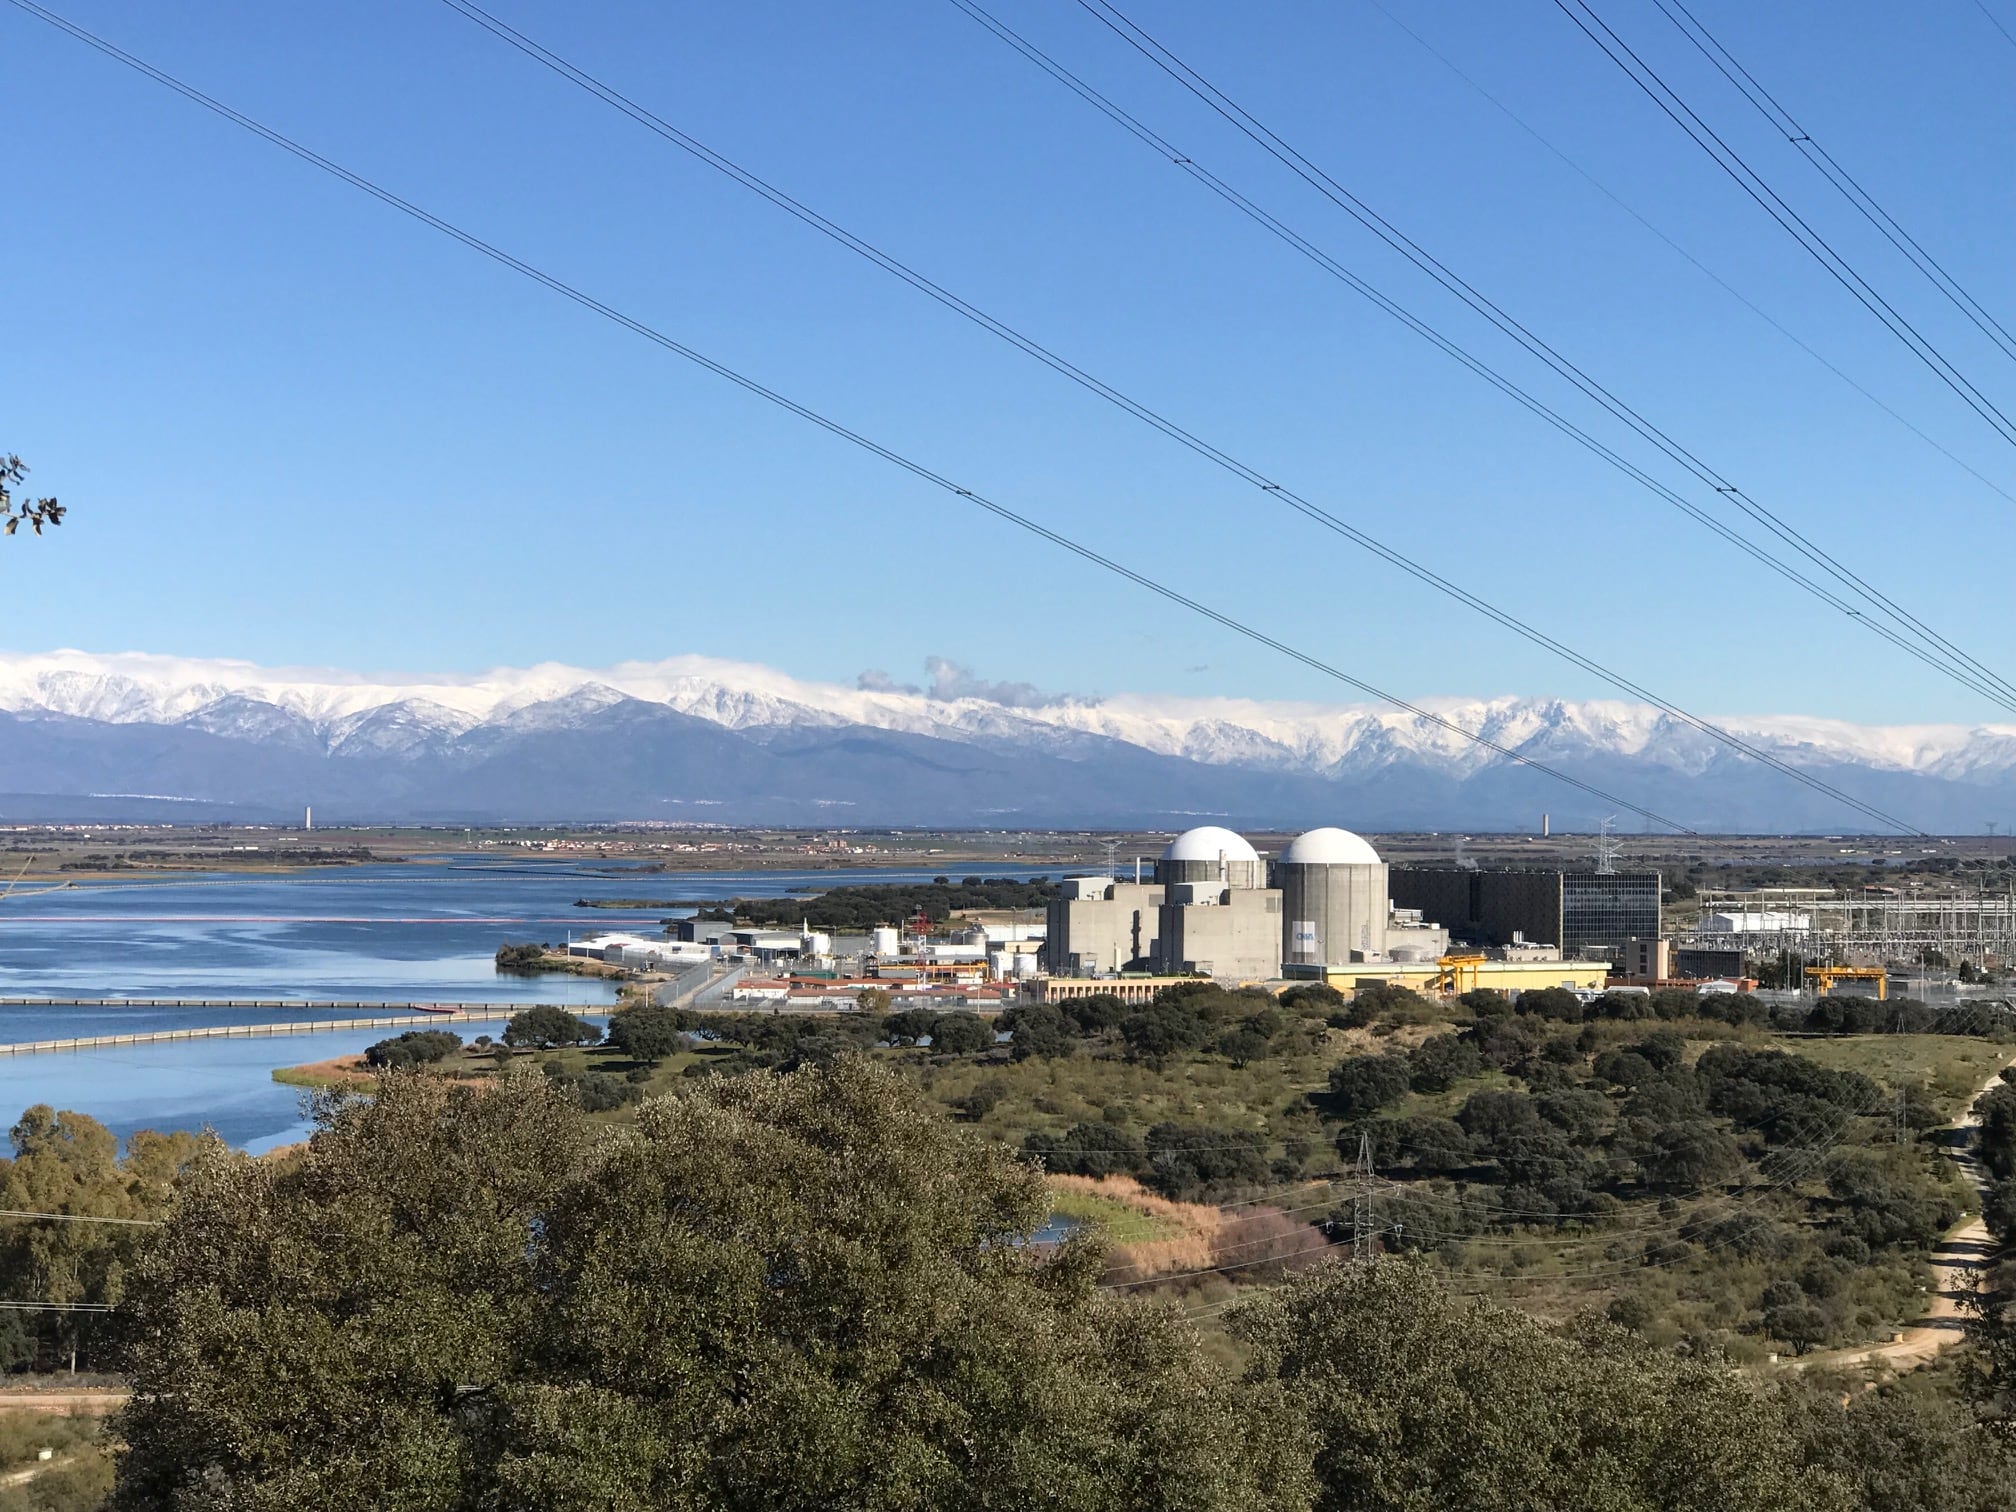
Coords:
pixel 1869 925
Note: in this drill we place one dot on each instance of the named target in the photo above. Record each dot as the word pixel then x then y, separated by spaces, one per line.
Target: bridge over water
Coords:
pixel 304 1005
pixel 369 1016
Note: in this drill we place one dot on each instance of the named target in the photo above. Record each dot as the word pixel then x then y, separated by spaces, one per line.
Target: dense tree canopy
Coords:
pixel 649 1031
pixel 1418 1401
pixel 545 1026
pixel 416 1047
pixel 70 1164
pixel 864 906
pixel 777 1292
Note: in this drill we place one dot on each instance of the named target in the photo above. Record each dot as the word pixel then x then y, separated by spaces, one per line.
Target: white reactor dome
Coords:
pixel 1329 847
pixel 1208 842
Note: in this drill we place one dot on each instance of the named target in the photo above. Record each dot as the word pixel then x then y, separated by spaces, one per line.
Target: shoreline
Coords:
pixel 337 1071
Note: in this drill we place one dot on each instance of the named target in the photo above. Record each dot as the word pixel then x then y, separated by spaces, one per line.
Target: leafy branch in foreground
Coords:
pixel 34 513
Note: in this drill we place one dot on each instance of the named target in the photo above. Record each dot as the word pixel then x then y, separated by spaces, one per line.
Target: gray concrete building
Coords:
pixel 1334 901
pixel 1231 933
pixel 1211 911
pixel 1100 926
pixel 1218 918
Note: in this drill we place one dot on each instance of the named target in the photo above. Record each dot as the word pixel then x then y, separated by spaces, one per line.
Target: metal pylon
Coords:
pixel 1361 1203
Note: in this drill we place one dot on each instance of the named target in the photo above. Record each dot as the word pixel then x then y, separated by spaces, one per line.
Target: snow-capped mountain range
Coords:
pixel 698 738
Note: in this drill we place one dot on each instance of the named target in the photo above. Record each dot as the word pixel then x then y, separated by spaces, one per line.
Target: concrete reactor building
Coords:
pixel 1098 925
pixel 1213 910
pixel 1334 900
pixel 1211 855
pixel 1219 917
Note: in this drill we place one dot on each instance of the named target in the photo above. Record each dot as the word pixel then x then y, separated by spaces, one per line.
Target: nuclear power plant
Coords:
pixel 1322 910
pixel 1335 899
pixel 1213 909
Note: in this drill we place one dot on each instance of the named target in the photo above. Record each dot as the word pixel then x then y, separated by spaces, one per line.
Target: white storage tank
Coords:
pixel 814 943
pixel 884 941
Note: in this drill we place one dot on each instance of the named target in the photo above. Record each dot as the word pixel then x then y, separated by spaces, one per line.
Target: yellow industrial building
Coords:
pixel 1462 973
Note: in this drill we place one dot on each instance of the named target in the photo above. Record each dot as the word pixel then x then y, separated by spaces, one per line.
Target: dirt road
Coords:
pixel 40 1467
pixel 1956 1261
pixel 95 1403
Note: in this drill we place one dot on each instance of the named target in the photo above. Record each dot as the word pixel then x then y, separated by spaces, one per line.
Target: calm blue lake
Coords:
pixel 416 931
pixel 223 1084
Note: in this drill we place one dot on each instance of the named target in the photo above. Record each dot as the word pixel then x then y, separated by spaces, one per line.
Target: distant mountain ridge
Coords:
pixel 698 739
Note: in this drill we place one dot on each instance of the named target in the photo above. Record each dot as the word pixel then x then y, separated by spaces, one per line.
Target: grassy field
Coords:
pixel 1949 1068
pixel 1050 1095
pixel 343 1071
pixel 1124 1216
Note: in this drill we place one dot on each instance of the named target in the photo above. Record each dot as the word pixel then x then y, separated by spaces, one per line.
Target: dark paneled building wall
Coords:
pixel 1573 910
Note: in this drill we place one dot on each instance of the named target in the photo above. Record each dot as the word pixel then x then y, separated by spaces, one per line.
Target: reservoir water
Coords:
pixel 417 931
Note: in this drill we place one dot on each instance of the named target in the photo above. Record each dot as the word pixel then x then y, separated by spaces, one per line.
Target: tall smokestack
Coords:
pixel 308 817
pixel 1544 829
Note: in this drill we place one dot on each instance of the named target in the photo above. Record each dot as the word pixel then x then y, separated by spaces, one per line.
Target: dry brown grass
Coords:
pixel 342 1071
pixel 1129 1192
pixel 1187 1249
pixel 1253 1243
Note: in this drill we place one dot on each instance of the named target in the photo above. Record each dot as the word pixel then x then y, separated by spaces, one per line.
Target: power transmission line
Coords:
pixel 833 427
pixel 79 1218
pixel 1794 1165
pixel 1049 358
pixel 1707 272
pixel 1986 685
pixel 1781 119
pixel 1731 162
pixel 1110 16
pixel 1995 21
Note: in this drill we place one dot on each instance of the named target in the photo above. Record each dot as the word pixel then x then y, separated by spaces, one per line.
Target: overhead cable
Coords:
pixel 1766 105
pixel 1186 438
pixel 833 427
pixel 1662 94
pixel 1945 655
pixel 80 1218
pixel 1707 272
pixel 2003 695
pixel 1996 22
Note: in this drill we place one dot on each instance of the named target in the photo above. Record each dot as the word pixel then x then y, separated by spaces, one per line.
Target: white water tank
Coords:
pixel 884 941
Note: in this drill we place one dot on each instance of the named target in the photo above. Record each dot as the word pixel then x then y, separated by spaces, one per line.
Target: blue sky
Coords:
pixel 297 428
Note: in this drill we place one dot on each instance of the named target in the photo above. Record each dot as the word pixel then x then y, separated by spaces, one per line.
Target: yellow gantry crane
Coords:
pixel 1823 978
pixel 1457 973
